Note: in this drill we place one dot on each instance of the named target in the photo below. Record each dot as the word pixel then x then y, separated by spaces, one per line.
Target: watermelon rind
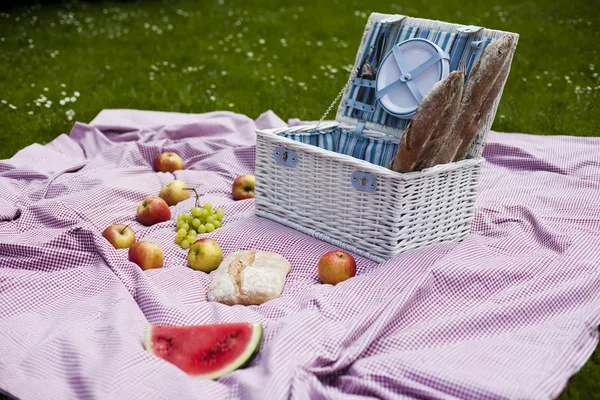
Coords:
pixel 244 358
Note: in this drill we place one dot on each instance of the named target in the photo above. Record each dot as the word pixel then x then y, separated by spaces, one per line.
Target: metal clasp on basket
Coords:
pixel 363 181
pixel 289 158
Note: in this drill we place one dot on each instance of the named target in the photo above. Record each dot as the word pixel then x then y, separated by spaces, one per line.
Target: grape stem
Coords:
pixel 197 197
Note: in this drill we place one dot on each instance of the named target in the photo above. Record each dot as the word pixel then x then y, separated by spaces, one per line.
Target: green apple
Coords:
pixel 205 255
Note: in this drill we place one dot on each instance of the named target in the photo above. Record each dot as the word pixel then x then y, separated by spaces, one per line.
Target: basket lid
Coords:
pixel 398 61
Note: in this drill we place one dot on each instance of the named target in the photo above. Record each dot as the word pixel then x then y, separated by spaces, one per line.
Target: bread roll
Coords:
pixel 430 125
pixel 249 277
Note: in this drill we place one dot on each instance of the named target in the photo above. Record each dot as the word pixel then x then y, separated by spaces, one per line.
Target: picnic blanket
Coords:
pixel 510 312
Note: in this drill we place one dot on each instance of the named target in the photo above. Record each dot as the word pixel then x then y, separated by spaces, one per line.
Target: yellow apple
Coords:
pixel 174 192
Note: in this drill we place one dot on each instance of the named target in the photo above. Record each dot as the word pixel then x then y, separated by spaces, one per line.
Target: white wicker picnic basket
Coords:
pixel 305 181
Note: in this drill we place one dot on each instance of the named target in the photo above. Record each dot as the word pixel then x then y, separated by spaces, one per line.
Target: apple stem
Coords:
pixel 197 197
pixel 123 231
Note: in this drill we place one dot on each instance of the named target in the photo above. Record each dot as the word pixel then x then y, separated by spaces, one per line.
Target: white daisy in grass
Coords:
pixel 76 94
pixel 549 85
pixel 12 106
pixel 592 66
pixel 231 105
pixel 212 98
pixel 30 112
pixel 250 54
pixel 45 89
pixel 3 101
pixel 33 85
pixel 261 41
pixel 70 114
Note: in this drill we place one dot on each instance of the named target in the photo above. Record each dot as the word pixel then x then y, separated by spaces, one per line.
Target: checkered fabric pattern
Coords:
pixel 510 312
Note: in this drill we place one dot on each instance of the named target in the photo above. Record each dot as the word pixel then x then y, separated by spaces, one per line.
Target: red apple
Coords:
pixel 174 192
pixel 336 266
pixel 205 255
pixel 243 187
pixel 168 162
pixel 121 236
pixel 146 255
pixel 153 210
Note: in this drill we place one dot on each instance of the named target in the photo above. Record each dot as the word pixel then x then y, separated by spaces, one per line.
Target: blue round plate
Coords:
pixel 407 74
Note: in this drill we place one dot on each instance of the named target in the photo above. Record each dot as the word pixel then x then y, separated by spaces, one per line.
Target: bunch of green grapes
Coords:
pixel 203 219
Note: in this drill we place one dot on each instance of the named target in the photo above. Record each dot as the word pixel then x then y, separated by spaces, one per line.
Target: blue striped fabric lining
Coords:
pixel 456 45
pixel 375 151
pixel 327 139
pixel 324 139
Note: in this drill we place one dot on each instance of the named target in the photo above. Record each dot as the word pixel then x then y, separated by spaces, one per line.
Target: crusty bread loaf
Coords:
pixel 249 277
pixel 432 122
pixel 481 90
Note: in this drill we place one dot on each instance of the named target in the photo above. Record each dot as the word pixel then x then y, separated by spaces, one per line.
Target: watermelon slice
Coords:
pixel 205 351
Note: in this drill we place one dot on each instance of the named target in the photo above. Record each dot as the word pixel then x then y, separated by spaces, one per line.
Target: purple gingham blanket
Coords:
pixel 510 312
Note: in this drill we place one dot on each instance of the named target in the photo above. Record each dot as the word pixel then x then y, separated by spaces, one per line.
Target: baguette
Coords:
pixel 432 122
pixel 481 91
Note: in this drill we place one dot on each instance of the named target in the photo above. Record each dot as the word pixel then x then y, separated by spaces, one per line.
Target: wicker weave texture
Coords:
pixel 406 211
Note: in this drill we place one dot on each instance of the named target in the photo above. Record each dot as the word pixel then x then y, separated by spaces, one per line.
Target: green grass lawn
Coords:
pixel 66 62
